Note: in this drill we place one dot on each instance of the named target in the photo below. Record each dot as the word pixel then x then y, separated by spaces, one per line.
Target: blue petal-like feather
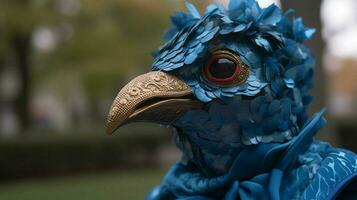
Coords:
pixel 190 58
pixel 270 15
pixel 199 49
pixel 239 28
pixel 211 34
pixel 226 31
pixel 262 42
pixel 178 57
pixel 290 83
pixel 193 10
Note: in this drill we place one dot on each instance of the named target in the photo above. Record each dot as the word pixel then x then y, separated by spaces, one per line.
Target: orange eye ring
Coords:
pixel 225 69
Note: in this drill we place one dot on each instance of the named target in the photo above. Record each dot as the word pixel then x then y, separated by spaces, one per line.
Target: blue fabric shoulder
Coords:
pixel 336 177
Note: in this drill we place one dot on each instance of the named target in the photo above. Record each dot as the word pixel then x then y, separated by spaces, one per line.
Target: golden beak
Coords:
pixel 152 97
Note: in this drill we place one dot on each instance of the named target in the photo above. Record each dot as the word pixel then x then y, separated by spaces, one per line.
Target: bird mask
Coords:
pixel 230 79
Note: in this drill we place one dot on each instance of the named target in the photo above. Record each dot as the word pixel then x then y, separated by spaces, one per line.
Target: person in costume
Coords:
pixel 234 85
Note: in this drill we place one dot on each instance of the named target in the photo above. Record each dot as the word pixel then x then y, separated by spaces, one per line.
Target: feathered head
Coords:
pixel 232 77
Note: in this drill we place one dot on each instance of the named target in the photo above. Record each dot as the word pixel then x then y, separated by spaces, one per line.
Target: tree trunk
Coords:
pixel 21 45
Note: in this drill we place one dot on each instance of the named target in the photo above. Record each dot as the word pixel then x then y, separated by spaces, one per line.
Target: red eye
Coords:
pixel 225 69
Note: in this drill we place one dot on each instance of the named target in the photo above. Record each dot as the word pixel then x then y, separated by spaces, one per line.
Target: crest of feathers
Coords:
pixel 267 40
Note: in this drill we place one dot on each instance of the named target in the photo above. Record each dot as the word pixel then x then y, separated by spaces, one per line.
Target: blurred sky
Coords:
pixel 340 27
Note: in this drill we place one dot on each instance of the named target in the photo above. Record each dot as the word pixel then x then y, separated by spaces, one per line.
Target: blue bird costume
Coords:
pixel 251 138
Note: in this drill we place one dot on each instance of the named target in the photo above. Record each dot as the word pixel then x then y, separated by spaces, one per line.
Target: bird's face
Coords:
pixel 231 78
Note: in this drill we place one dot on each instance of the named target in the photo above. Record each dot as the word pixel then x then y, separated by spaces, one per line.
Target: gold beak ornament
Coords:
pixel 152 97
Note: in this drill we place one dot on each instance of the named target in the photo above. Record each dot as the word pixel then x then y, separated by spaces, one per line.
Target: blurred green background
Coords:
pixel 62 63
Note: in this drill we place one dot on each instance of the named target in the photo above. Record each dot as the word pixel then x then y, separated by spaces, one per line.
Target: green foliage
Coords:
pixel 110 40
pixel 51 154
pixel 102 44
pixel 21 17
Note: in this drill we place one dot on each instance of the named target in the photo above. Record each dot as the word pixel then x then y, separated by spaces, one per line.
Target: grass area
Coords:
pixel 124 185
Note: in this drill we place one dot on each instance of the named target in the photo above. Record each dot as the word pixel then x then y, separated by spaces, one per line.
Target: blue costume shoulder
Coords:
pixel 335 178
pixel 270 172
pixel 321 173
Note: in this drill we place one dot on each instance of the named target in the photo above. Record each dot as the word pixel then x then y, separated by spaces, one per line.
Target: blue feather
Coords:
pixel 193 10
pixel 190 58
pixel 270 15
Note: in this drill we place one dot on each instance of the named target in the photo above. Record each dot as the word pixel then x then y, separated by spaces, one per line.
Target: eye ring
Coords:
pixel 238 76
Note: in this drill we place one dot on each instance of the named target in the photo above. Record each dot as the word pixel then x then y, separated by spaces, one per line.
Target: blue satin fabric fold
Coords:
pixel 256 173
